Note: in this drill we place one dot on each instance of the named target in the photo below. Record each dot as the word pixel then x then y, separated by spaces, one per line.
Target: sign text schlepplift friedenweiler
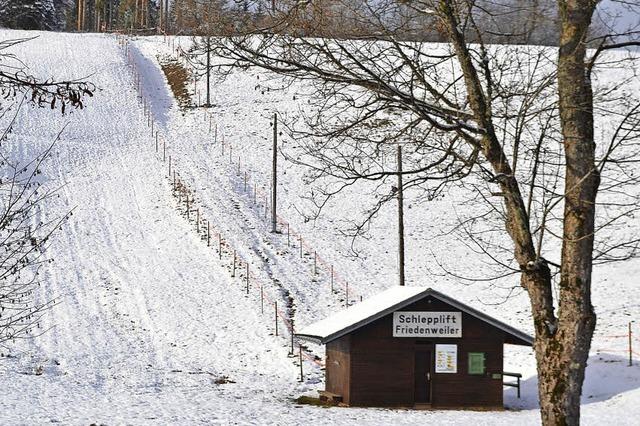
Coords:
pixel 427 324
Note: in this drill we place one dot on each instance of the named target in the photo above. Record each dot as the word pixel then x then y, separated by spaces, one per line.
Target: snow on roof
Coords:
pixel 384 303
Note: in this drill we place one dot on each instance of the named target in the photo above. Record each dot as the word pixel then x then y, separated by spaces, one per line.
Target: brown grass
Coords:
pixel 178 78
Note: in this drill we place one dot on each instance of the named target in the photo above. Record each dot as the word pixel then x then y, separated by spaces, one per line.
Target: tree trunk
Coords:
pixel 562 358
pixel 80 14
pixel 561 343
pixel 209 48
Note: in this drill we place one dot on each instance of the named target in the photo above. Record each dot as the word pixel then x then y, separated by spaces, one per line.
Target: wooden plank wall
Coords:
pixel 382 366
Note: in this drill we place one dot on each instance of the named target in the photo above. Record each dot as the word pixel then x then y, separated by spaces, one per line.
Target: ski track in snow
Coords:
pixel 148 317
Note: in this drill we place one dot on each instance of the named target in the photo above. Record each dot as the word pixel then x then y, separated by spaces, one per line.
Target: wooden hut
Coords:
pixel 414 347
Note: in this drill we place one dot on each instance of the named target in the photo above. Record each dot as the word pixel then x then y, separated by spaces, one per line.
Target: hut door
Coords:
pixel 422 377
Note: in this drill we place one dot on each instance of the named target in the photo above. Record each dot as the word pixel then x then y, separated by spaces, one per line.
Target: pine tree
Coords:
pixel 29 15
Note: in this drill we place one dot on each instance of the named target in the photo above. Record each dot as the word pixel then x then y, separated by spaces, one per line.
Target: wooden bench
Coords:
pixel 516 385
pixel 330 397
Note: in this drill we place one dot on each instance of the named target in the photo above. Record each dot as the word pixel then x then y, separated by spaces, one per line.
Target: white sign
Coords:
pixel 427 324
pixel 446 358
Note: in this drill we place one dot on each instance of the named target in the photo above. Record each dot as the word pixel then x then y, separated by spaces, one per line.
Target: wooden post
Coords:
pixel 266 204
pixel 208 234
pixel 347 293
pixel 152 131
pixel 276 313
pixel 254 195
pixel 261 300
pixel 332 279
pixel 198 221
pixel 274 173
pixel 215 135
pixel 301 373
pixel 630 347
pixel 164 151
pixel 300 246
pixel 292 340
pixel 315 263
pixel 247 277
pixel 156 139
pixel 175 182
pixel 233 271
pixel 220 246
pixel 187 200
pixel 400 220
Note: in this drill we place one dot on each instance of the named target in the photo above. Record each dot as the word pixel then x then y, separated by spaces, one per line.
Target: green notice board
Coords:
pixel 476 363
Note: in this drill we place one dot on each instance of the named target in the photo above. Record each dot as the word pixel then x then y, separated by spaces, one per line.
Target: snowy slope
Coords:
pixel 149 316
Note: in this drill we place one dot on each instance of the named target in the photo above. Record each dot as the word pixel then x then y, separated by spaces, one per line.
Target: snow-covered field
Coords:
pixel 150 318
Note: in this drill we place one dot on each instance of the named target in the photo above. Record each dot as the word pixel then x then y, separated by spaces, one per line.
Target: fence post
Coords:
pixel 208 234
pixel 276 313
pixel 630 347
pixel 220 246
pixel 233 272
pixel 347 293
pixel 315 263
pixel 164 151
pixel 331 279
pixel 247 277
pixel 198 221
pixel 292 353
pixel 156 139
pixel 187 206
pixel 301 373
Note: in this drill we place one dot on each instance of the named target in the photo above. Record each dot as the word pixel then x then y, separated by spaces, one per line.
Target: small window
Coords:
pixel 476 363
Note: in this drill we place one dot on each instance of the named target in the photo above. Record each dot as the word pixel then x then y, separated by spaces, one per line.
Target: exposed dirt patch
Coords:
pixel 178 78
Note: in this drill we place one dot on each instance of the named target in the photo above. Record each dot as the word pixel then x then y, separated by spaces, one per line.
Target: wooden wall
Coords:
pixel 382 366
pixel 338 367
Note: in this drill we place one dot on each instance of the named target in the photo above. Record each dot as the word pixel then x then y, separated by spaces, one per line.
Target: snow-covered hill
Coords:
pixel 150 321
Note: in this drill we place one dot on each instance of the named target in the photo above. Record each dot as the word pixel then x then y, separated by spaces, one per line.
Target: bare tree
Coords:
pixel 198 56
pixel 23 235
pixel 512 124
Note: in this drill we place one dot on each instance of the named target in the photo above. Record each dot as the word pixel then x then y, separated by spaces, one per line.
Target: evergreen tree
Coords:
pixel 29 15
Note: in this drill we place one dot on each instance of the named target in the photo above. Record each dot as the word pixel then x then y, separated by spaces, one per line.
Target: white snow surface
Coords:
pixel 149 318
pixel 361 311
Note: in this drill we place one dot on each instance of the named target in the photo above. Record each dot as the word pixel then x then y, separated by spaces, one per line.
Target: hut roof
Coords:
pixel 391 300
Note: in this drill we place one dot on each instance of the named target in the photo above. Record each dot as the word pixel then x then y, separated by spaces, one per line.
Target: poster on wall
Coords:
pixel 446 358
